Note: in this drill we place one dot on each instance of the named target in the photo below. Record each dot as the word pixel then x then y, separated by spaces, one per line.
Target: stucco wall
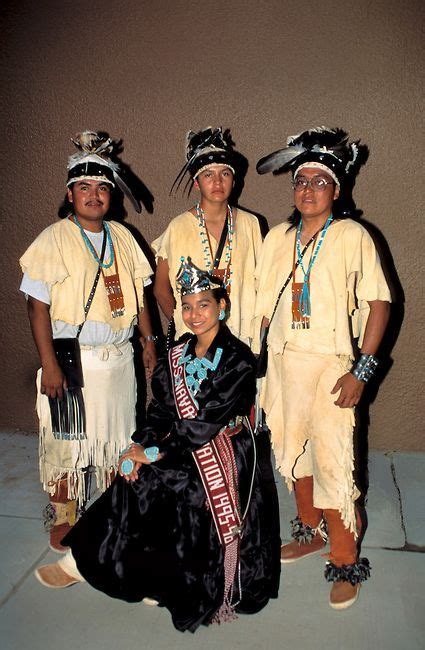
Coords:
pixel 148 71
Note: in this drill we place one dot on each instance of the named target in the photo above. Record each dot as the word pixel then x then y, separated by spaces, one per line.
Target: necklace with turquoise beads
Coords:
pixel 206 247
pixel 196 369
pixel 91 248
pixel 304 299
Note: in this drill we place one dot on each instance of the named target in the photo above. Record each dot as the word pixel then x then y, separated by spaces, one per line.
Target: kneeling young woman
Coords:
pixel 184 523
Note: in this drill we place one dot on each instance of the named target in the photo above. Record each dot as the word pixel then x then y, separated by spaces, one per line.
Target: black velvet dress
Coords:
pixel 156 537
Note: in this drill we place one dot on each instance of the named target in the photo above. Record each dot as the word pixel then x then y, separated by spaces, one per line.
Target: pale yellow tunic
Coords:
pixel 60 257
pixel 181 239
pixel 304 364
pixel 346 275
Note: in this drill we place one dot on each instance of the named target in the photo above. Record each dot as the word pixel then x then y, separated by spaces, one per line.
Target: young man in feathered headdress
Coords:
pixel 221 239
pixel 84 279
pixel 333 289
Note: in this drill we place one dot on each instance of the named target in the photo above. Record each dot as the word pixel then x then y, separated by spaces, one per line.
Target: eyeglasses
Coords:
pixel 317 184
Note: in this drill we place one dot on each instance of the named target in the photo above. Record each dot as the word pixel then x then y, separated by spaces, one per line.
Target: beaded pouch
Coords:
pixel 298 320
pixel 115 295
pixel 223 274
pixel 114 291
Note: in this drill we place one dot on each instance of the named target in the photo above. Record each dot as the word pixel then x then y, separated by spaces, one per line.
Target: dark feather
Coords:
pixel 189 185
pixel 179 178
pixel 124 188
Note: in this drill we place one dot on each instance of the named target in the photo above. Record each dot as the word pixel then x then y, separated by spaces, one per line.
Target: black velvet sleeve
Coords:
pixel 227 392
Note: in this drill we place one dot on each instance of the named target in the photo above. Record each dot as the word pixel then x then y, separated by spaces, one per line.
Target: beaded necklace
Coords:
pixel 112 281
pixel 197 369
pixel 91 248
pixel 206 246
pixel 304 297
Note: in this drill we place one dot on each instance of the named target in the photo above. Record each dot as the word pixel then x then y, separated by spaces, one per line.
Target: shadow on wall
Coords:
pixel 361 445
pixel 234 199
pixel 384 354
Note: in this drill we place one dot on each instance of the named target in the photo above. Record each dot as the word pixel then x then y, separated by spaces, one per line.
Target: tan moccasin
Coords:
pixel 343 594
pixel 53 576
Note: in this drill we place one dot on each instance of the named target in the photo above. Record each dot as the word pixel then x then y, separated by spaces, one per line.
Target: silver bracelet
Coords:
pixel 365 367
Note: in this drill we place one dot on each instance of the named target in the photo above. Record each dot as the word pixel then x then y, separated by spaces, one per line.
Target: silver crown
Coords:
pixel 191 279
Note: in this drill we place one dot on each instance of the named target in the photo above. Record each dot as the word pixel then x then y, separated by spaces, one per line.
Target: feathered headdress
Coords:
pixel 93 161
pixel 205 148
pixel 191 279
pixel 320 147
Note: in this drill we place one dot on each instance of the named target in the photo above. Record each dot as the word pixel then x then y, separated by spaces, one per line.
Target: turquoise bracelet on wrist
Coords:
pixel 152 453
pixel 365 367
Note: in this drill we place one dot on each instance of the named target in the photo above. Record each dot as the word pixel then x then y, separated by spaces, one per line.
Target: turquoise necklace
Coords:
pixel 91 248
pixel 305 304
pixel 197 369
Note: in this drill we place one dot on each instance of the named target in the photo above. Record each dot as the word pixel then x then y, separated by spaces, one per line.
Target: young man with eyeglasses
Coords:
pixel 336 292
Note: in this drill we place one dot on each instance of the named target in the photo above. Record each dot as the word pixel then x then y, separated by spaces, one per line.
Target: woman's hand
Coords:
pixel 136 453
pixel 351 391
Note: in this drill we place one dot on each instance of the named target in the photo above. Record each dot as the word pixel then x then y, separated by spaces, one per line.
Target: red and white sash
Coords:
pixel 220 485
pixel 217 467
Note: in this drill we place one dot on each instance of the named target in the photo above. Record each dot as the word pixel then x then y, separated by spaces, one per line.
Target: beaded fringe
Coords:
pixel 301 325
pixel 225 614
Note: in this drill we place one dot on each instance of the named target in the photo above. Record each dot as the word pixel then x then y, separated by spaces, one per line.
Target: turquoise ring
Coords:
pixel 127 466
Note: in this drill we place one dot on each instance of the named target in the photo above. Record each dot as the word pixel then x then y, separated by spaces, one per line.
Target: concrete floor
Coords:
pixel 390 613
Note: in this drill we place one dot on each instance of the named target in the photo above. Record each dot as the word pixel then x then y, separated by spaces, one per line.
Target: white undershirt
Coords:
pixel 93 332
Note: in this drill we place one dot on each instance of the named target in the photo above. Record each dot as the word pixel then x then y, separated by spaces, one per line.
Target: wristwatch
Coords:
pixel 150 337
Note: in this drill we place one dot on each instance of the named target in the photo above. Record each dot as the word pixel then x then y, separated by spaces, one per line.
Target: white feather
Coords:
pixel 355 152
pixel 279 159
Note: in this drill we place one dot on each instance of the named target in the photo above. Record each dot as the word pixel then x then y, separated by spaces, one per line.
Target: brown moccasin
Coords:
pixel 343 594
pixel 293 551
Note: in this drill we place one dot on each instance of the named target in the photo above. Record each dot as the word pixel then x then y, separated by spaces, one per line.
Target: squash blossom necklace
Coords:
pixel 211 264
